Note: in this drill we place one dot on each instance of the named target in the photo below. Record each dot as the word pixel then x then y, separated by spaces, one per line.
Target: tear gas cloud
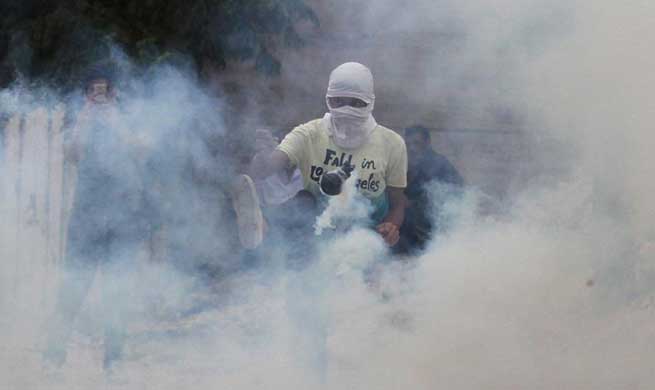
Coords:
pixel 556 293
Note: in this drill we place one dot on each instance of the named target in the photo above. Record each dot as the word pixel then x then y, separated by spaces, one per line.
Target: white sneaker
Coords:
pixel 249 214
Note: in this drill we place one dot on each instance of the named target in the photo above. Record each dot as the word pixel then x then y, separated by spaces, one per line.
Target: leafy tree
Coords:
pixel 55 41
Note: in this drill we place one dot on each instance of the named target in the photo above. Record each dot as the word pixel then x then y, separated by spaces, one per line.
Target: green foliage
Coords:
pixel 57 40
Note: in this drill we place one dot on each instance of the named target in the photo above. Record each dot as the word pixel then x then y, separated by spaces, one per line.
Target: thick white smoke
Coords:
pixel 558 293
pixel 555 293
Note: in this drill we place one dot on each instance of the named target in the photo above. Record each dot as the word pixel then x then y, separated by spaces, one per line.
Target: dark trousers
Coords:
pixel 93 245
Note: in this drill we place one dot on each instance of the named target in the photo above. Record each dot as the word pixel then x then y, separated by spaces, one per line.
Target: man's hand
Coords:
pixel 389 233
pixel 267 160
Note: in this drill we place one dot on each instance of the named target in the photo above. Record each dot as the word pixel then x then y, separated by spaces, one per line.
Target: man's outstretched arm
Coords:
pixel 267 163
pixel 268 160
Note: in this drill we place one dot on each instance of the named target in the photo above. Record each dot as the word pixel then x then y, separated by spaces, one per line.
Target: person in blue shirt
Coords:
pixel 107 223
pixel 425 166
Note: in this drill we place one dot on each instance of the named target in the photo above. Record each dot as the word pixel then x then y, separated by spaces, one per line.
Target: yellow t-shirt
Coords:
pixel 380 162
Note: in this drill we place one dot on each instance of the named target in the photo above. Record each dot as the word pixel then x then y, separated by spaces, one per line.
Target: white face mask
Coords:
pixel 349 126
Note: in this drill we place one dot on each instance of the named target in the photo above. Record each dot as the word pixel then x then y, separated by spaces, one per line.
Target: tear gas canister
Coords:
pixel 331 182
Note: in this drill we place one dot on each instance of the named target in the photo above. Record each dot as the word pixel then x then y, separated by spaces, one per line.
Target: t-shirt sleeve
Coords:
pixel 294 145
pixel 397 168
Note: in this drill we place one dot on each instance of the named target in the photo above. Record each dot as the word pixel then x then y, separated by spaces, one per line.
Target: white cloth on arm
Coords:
pixel 277 189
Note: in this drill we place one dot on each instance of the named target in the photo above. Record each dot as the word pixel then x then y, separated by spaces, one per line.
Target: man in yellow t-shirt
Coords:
pixel 347 134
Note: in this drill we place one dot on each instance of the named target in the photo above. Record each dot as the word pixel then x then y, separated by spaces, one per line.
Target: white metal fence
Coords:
pixel 32 213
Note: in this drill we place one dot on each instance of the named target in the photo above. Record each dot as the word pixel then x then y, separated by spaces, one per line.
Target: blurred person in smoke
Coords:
pixel 425 167
pixel 347 135
pixel 107 223
pixel 186 172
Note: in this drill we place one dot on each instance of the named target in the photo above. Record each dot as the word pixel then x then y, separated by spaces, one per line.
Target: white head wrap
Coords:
pixel 350 127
